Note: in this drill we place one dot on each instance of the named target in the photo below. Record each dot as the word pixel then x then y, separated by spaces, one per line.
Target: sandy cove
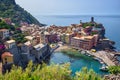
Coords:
pixel 63 47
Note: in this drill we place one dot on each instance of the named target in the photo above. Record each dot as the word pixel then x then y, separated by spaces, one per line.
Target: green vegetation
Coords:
pixel 91 24
pixel 87 24
pixel 74 53
pixel 19 36
pixel 114 70
pixel 86 74
pixel 9 9
pixel 93 33
pixel 4 25
pixel 71 52
pixel 52 72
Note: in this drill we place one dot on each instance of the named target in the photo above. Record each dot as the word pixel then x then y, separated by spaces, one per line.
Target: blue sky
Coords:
pixel 71 7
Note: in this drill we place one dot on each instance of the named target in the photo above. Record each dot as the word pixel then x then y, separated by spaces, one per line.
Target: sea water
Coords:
pixel 111 24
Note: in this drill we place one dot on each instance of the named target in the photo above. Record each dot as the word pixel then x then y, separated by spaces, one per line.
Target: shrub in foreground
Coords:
pixel 114 70
pixel 45 72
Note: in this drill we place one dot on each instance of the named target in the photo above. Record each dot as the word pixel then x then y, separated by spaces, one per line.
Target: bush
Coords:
pixel 114 70
pixel 86 74
pixel 74 53
pixel 52 72
pixel 39 72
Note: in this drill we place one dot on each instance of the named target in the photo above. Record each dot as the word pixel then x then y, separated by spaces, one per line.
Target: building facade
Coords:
pixel 4 33
pixel 86 42
pixel 10 44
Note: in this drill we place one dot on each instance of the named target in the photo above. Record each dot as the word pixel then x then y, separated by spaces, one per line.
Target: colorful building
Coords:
pixel 62 37
pixel 84 42
pixel 4 33
pixel 7 58
pixel 10 44
pixel 31 39
pixel 41 51
pixel 68 38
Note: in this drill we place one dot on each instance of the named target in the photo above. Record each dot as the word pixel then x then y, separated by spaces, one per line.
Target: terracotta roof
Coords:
pixel 6 54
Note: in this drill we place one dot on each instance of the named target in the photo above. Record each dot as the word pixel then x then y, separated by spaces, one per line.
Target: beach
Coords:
pixel 62 47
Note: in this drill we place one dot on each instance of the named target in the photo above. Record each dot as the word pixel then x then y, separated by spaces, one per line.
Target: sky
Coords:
pixel 71 7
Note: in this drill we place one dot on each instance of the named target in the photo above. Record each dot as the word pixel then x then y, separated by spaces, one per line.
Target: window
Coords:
pixel 5 59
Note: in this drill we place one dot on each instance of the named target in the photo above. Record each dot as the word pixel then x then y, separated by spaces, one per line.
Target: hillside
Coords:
pixel 9 9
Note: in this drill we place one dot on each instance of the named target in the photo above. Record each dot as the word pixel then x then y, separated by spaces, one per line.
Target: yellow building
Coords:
pixel 7 58
pixel 68 37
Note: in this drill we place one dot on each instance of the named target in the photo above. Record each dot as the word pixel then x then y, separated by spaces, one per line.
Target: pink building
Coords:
pixel 84 42
pixel 51 38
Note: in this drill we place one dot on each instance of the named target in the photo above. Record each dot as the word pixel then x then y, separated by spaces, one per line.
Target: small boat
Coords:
pixel 104 68
pixel 101 62
pixel 96 58
pixel 89 55
pixel 83 52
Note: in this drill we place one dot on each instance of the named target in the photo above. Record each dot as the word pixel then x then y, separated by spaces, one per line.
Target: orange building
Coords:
pixel 7 58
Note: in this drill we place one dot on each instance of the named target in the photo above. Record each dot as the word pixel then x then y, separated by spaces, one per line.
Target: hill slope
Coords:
pixel 9 9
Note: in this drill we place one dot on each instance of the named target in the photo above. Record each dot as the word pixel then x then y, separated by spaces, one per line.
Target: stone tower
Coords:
pixel 92 19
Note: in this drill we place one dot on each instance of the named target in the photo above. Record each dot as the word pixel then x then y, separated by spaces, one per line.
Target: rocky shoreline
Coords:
pixel 112 77
pixel 116 60
pixel 105 58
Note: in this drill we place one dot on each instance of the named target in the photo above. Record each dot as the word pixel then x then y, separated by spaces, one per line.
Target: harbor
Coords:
pixel 101 56
pixel 76 64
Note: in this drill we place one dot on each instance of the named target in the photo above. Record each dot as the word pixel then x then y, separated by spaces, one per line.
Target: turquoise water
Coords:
pixel 77 63
pixel 111 23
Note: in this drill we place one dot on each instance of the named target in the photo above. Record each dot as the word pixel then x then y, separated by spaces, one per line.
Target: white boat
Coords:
pixel 104 68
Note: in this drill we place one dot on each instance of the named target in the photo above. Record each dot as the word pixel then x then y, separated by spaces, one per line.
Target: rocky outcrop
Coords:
pixel 112 77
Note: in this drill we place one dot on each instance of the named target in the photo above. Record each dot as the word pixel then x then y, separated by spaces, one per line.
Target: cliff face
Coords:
pixel 9 9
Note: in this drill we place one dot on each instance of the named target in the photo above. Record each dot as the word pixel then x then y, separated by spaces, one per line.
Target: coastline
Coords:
pixel 101 56
pixel 62 47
